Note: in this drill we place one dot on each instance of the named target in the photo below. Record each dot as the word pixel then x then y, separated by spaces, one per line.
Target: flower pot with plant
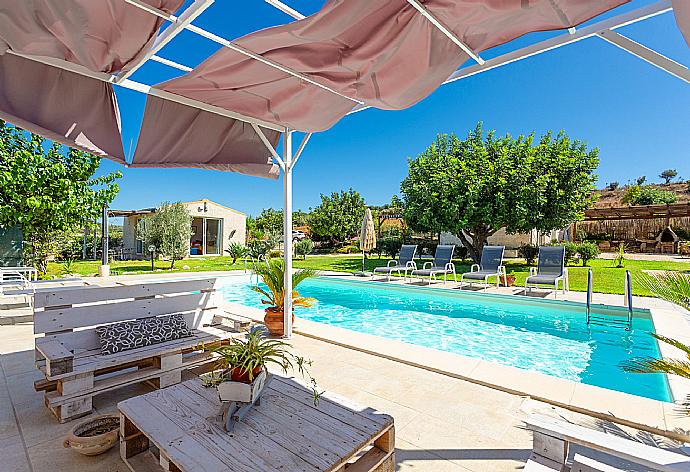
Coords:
pixel 273 276
pixel 508 280
pixel 245 361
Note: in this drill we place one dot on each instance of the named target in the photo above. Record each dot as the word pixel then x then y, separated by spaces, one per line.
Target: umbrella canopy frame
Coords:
pixel 603 30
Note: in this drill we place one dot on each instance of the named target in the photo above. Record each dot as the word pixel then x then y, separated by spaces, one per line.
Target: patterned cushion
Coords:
pixel 127 335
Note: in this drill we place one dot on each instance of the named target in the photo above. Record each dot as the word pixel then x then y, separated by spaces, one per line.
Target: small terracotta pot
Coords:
pixel 510 279
pixel 274 321
pixel 82 442
pixel 240 375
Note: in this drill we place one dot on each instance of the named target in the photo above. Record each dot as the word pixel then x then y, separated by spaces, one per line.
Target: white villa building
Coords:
pixel 214 227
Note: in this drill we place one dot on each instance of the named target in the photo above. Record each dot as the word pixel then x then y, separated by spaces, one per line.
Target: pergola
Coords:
pixel 58 67
pixel 641 212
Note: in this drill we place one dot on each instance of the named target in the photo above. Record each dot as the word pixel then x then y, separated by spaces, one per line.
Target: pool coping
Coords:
pixel 642 413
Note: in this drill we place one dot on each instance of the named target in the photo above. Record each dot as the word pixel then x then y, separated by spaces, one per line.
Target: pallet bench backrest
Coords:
pixel 70 316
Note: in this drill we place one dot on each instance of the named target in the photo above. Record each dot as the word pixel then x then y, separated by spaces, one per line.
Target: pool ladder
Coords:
pixel 608 320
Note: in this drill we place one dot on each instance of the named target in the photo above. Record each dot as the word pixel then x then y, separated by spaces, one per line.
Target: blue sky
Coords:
pixel 637 115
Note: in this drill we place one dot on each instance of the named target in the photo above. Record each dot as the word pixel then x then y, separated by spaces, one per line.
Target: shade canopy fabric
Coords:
pixel 681 9
pixel 102 36
pixel 302 76
pixel 383 54
pixel 195 138
pixel 60 105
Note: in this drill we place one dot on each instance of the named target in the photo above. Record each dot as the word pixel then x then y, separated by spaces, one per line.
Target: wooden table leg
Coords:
pixel 132 441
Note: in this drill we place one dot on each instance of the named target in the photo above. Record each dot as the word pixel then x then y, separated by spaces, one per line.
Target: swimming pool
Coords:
pixel 545 336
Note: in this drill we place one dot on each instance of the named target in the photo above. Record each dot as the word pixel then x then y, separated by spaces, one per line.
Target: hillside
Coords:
pixel 614 198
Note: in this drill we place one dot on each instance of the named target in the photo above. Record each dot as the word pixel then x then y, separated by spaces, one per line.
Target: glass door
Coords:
pixel 212 233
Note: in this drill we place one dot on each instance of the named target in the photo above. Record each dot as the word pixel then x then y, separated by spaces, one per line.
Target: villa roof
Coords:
pixel 229 112
pixel 146 211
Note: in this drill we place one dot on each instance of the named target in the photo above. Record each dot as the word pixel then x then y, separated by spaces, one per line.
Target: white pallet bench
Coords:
pixel 69 352
pixel 285 432
pixel 552 438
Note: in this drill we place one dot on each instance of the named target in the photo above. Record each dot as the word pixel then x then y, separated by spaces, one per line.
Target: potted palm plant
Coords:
pixel 273 276
pixel 245 360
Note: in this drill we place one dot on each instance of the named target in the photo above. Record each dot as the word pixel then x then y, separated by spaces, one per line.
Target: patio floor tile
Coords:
pixel 13 456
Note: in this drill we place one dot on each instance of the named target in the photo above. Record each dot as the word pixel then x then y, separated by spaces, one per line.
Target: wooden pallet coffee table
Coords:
pixel 174 429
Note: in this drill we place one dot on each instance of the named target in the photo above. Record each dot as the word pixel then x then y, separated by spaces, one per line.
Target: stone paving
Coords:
pixel 442 423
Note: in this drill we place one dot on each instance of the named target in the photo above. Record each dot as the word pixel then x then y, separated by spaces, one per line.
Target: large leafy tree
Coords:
pixel 48 190
pixel 338 217
pixel 474 187
pixel 270 221
pixel 169 229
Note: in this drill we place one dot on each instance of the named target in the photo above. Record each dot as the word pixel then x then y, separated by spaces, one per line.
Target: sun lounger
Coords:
pixel 442 264
pixel 490 265
pixel 550 269
pixel 404 263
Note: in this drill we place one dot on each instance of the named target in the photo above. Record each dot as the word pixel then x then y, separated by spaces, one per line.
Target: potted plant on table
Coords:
pixel 273 276
pixel 245 360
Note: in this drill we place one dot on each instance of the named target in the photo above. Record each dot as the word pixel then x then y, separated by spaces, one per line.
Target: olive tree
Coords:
pixel 169 230
pixel 472 187
pixel 48 190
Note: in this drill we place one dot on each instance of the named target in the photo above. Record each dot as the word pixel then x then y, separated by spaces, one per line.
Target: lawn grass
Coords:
pixel 607 278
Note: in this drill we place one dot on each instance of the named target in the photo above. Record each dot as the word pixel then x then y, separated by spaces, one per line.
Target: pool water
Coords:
pixel 545 336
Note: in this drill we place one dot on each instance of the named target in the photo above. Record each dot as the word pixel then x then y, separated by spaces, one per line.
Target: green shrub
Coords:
pixel 682 233
pixel 636 195
pixel 304 247
pixel 620 258
pixel 236 251
pixel 349 249
pixel 570 251
pixel 461 252
pixel 390 246
pixel 652 196
pixel 258 248
pixel 529 252
pixel 587 251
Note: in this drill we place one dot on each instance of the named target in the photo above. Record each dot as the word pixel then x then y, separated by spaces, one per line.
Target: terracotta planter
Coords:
pixel 239 375
pixel 94 436
pixel 274 321
pixel 509 281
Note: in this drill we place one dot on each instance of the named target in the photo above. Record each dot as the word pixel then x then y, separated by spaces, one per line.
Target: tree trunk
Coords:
pixel 172 263
pixel 479 236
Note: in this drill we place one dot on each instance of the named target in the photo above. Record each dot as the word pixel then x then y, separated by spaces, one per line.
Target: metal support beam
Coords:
pixel 304 142
pixel 173 64
pixel 235 47
pixel 95 238
pixel 287 231
pixel 177 26
pixel 648 55
pixel 104 235
pixel 565 39
pixel 269 146
pixel 148 90
pixel 619 21
pixel 286 9
pixel 441 27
